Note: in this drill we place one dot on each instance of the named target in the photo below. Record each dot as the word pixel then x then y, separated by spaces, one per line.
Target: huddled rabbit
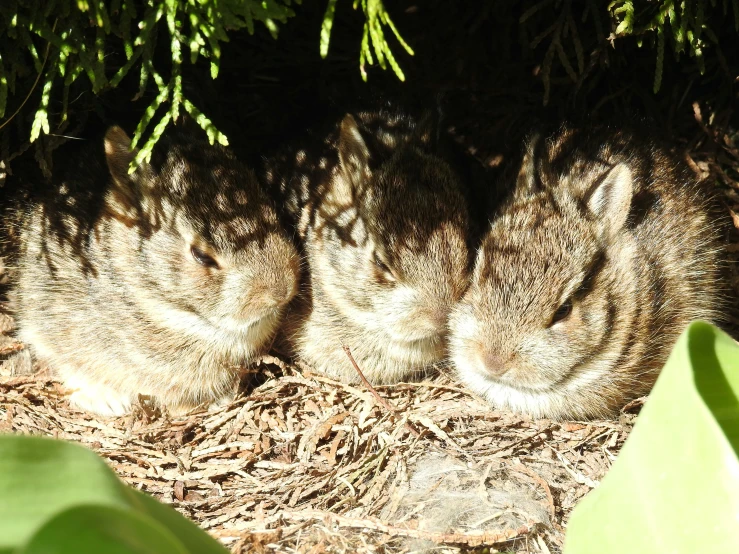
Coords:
pixel 383 220
pixel 607 248
pixel 161 282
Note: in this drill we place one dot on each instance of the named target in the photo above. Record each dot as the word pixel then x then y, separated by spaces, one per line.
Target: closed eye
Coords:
pixel 563 312
pixel 203 258
pixel 384 272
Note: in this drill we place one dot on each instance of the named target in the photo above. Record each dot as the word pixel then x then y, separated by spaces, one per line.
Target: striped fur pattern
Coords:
pixel 607 249
pixel 160 283
pixel 384 226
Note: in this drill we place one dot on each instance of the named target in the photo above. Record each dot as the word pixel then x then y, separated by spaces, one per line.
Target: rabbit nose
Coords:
pixel 438 317
pixel 493 363
pixel 281 288
pixel 284 292
pixel 273 300
pixel 279 294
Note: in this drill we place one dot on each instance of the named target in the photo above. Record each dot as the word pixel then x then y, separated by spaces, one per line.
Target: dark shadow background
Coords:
pixel 487 63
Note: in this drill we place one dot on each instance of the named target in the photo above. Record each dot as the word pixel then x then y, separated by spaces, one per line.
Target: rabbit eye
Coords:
pixel 562 312
pixel 203 258
pixel 384 272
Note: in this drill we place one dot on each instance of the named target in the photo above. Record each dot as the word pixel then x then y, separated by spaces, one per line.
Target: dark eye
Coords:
pixel 562 312
pixel 203 258
pixel 384 270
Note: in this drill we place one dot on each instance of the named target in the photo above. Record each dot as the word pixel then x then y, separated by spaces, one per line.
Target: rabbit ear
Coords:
pixel 353 158
pixel 610 198
pixel 122 199
pixel 119 155
pixel 526 181
pixel 428 129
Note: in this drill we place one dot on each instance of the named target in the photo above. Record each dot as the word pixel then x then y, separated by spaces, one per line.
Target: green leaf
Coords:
pixel 622 28
pixel 58 497
pixel 675 485
pixel 102 529
pixel 41 477
pixel 326 25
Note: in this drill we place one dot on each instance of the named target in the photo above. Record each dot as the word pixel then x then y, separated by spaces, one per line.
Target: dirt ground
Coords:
pixel 301 463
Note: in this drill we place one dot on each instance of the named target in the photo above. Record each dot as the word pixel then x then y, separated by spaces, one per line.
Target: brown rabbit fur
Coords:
pixel 384 225
pixel 159 283
pixel 607 249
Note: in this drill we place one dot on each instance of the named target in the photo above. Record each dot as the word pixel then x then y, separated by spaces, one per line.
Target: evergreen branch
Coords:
pixel 92 28
pixel 144 155
pixel 578 45
pixel 214 135
pixel 533 9
pixel 34 55
pixel 162 97
pixel 373 36
pixel 685 21
pixel 326 26
pixel 3 88
pixel 660 59
pixel 41 119
pixel 30 92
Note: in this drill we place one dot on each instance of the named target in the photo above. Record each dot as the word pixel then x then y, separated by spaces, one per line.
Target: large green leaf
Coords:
pixel 675 485
pixel 97 529
pixel 57 497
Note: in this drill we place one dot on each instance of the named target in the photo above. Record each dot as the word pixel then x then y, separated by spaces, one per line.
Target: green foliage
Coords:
pixel 62 41
pixel 59 498
pixel 373 36
pixel 564 38
pixel 569 29
pixel 51 52
pixel 674 485
pixel 65 40
pixel 687 23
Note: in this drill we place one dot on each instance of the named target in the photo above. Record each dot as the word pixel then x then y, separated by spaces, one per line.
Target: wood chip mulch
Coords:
pixel 302 463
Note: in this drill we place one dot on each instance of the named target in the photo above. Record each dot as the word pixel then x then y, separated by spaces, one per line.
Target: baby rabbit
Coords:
pixel 159 283
pixel 383 220
pixel 607 249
